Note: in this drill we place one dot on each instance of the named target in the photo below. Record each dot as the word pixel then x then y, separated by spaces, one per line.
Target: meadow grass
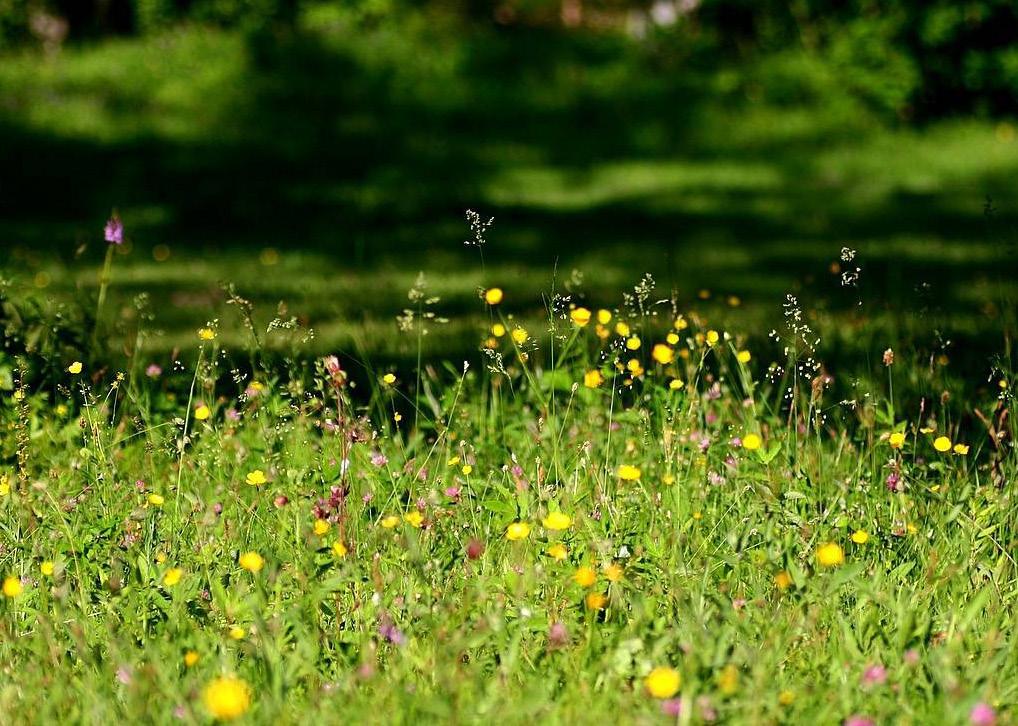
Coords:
pixel 623 512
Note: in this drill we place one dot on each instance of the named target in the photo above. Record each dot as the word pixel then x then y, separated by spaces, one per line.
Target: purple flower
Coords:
pixel 378 459
pixel 894 482
pixel 857 720
pixel 671 707
pixel 114 230
pixel 391 633
pixel 453 493
pixel 982 714
pixel 874 675
pixel 153 371
pixel 558 636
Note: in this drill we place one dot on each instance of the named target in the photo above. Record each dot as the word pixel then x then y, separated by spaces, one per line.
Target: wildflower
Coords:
pixel 498 330
pixel 321 527
pixel 12 587
pixel 251 561
pixel 237 632
pixel 256 478
pixel 672 339
pixel 628 472
pixel 633 343
pixel 613 572
pixel 728 679
pixel 942 444
pixel 982 714
pixel 156 500
pixel 46 568
pixel 874 675
pixel 493 295
pixel 517 531
pixel 830 554
pixel 961 449
pixel 860 536
pixel 75 368
pixel 680 323
pixel 580 316
pixel 466 469
pixel 604 316
pixel 415 519
pixel 227 698
pixel 751 442
pixel 339 549
pixel 520 335
pixel 585 576
pixel 743 356
pixel 896 440
pixel 622 329
pixel 172 576
pixel 388 379
pixel 557 521
pixel 113 232
pixel 634 367
pixel 888 357
pixel 475 548
pixel 857 720
pixel 713 337
pixel 206 334
pixel 662 682
pixel 390 521
pixel 676 384
pixel 595 601
pixel 202 412
pixel 662 354
pixel 191 658
pixel 558 552
pixel 557 635
pixel 593 379
pixel 783 580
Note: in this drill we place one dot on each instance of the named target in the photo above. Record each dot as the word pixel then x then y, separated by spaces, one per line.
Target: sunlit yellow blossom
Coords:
pixel 202 412
pixel 712 337
pixel 493 295
pixel 786 698
pixel 75 368
pixel 498 330
pixel 251 561
pixel 633 343
pixel 191 658
pixel 596 601
pixel 743 356
pixel 613 572
pixel 517 531
pixel 558 551
pixel 160 557
pixel 520 336
pixel 628 472
pixel 227 698
pixel 46 568
pixel 635 367
pixel 585 576
pixel 860 536
pixel 680 323
pixel 322 526
pixel 391 521
pixel 662 682
pixel 783 580
pixel 172 576
pixel 728 679
pixel 593 379
pixel 734 301
pixel 467 469
pixel 580 316
pixel 942 444
pixel 601 331
pixel 662 354
pixel 672 339
pixel 676 384
pixel 604 316
pixel 896 440
pixel 256 478
pixel 389 378
pixel 622 329
pixel 207 334
pixel 414 519
pixel 5 485
pixel 156 500
pixel 339 549
pixel 830 554
pixel 12 587
pixel 961 449
pixel 751 442
pixel 557 521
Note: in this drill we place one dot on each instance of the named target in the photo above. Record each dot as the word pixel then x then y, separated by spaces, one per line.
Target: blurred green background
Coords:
pixel 323 153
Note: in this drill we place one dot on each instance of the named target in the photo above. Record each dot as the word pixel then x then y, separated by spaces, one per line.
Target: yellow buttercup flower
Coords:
pixel 830 554
pixel 156 500
pixel 207 334
pixel 783 580
pixel 493 295
pixel 251 561
pixel 191 658
pixel 728 679
pixel 339 549
pixel 628 472
pixel 743 356
pixel 662 354
pixel 12 587
pixel 680 323
pixel 498 330
pixel 227 698
pixel 466 469
pixel 896 440
pixel 202 412
pixel 414 519
pixel 751 442
pixel 633 343
pixel 237 632
pixel 46 568
pixel 557 521
pixel 520 336
pixel 713 337
pixel 961 449
pixel 172 576
pixel 256 478
pixel 860 536
pixel 622 329
pixel 75 368
pixel 517 531
pixel 786 698
pixel 672 339
pixel 596 601
pixel 580 316
pixel 663 682
pixel 585 576
pixel 942 444
pixel 613 572
pixel 604 316
pixel 676 384
pixel 391 521
pixel 388 379
pixel 321 526
pixel 558 551
pixel 593 379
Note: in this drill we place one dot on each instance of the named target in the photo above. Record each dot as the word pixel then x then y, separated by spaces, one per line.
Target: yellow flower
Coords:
pixel 467 469
pixel 783 580
pixel 663 682
pixel 613 572
pixel 593 379
pixel 160 557
pixel 557 521
pixel 493 295
pixel 156 500
pixel 237 632
pixel 191 657
pixel 227 698
pixel 628 472
pixel 172 576
pixel 622 329
pixel 680 323
pixel 672 339
pixel 942 444
pixel 604 316
pixel 961 449
pixel 339 549
pixel 743 356
pixel 662 354
pixel 453 461
pixel 388 379
pixel 596 601
pixel 634 367
pixel 520 336
pixel 558 551
pixel 251 561
pixel 391 521
pixel 896 440
pixel 676 384
pixel 12 587
pixel 498 330
pixel 601 331
pixel 633 343
pixel 517 531
pixel 321 526
pixel 256 478
pixel 580 316
pixel 734 301
pixel 202 412
pixel 786 698
pixel 712 338
pixel 703 294
pixel 46 568
pixel 414 519
pixel 830 554
pixel 860 536
pixel 585 576
pixel 751 442
pixel 75 368
pixel 207 334
pixel 728 679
